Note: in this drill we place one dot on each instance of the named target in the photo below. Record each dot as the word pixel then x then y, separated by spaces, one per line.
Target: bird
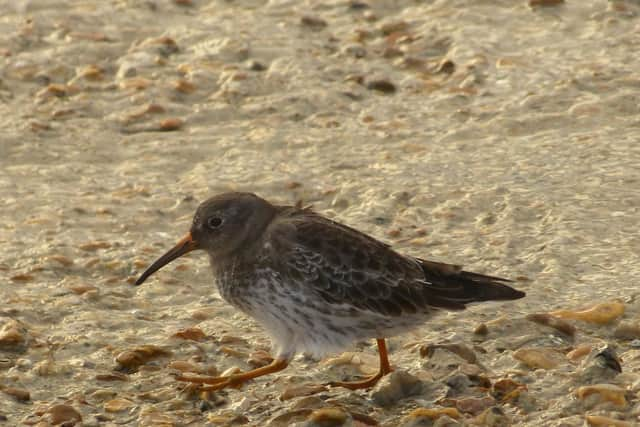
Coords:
pixel 316 285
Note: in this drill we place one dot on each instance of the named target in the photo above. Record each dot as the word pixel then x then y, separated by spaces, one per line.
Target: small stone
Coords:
pixel 193 334
pixel 394 27
pixel 61 259
pixel 599 420
pixel 92 73
pixel 383 86
pixel 81 289
pixel 627 331
pixel 559 325
pixel 302 390
pixel 358 5
pixel 545 3
pixel 607 392
pixel 506 389
pixel 12 333
pixel 117 405
pixel 481 329
pixel 579 352
pixel 394 387
pixel 170 124
pixel 327 417
pixel 95 245
pixel 313 22
pixel 112 376
pixel 600 314
pixel 25 277
pixel 474 405
pixel 63 414
pixel 184 86
pixel 426 416
pixel 446 67
pixel 536 358
pixel 493 417
pixel 256 66
pixel 17 393
pixel 184 366
pixel 260 358
pixel 130 360
pixel 463 351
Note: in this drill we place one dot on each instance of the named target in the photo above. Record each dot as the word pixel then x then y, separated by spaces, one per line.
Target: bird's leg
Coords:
pixel 218 383
pixel 385 368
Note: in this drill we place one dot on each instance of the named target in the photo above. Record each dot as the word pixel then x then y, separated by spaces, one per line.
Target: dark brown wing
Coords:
pixel 344 265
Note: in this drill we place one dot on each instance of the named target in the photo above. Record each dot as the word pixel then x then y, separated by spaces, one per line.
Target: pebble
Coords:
pixel 606 392
pixel 170 124
pixel 63 414
pixel 383 86
pixel 462 350
pixel 17 393
pixel 599 420
pixel 506 389
pixel 313 22
pixel 328 417
pixel 474 405
pixel 493 417
pixel 259 358
pixel 538 358
pixel 600 314
pixel 302 390
pixel 426 416
pixel 95 245
pixel 193 334
pixel 545 3
pixel 117 405
pixel 394 387
pixel 13 335
pixel 481 329
pixel 130 360
pixel 579 352
pixel 627 331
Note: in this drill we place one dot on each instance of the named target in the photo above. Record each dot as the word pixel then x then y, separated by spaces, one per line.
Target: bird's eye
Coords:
pixel 214 222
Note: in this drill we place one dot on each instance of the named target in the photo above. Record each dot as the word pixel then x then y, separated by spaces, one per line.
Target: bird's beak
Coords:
pixel 186 244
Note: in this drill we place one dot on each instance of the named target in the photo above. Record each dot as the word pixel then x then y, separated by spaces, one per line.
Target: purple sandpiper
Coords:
pixel 316 285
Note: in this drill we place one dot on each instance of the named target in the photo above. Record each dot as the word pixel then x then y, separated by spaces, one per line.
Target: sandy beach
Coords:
pixel 499 135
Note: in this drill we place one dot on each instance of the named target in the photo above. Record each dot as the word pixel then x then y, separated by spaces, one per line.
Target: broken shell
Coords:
pixel 600 314
pixel 599 420
pixel 132 359
pixel 559 325
pixel 328 417
pixel 302 390
pixel 193 334
pixel 627 331
pixel 17 393
pixel 117 405
pixel 433 413
pixel 579 352
pixel 538 358
pixel 608 392
pixel 63 414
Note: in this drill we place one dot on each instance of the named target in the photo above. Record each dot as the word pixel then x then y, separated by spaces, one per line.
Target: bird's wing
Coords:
pixel 343 265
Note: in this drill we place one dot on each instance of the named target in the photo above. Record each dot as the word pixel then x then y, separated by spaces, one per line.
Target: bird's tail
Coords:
pixel 450 287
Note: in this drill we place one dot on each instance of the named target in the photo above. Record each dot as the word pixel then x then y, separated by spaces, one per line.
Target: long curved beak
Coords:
pixel 185 245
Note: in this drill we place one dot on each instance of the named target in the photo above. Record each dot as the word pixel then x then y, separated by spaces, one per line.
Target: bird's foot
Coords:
pixel 358 385
pixel 235 381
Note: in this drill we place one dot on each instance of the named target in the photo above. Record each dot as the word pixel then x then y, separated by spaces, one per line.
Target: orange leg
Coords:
pixel 218 383
pixel 385 368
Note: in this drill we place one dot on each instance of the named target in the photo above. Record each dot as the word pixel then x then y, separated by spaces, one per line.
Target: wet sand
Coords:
pixel 490 134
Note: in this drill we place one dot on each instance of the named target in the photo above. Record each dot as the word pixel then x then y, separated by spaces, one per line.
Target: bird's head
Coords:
pixel 221 225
